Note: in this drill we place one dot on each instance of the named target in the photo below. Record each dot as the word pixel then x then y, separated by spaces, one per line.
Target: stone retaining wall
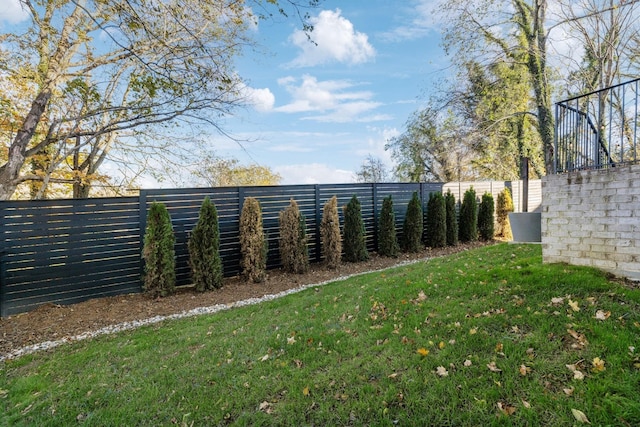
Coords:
pixel 592 218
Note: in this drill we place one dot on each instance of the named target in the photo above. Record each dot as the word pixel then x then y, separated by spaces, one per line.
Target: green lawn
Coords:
pixel 486 337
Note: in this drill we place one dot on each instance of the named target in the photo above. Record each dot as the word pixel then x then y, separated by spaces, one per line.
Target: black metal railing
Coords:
pixel 597 130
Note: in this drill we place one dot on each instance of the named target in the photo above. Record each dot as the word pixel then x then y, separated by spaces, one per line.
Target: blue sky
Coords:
pixel 318 110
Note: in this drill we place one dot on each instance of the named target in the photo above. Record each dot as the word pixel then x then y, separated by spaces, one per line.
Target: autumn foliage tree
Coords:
pixel 355 248
pixel 253 243
pixel 436 221
pixel 159 252
pixel 412 226
pixel 452 220
pixel 387 239
pixel 504 205
pixel 294 253
pixel 468 223
pixel 204 249
pixel 330 236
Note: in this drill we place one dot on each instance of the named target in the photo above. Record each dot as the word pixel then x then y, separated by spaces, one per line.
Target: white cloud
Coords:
pixel 419 20
pixel 13 12
pixel 334 40
pixel 313 173
pixel 331 98
pixel 261 100
pixel 375 145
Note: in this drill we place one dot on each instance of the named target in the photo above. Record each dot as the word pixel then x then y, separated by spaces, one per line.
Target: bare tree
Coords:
pixel 372 169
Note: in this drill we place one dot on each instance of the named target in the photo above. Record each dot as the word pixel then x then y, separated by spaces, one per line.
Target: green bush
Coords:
pixel 159 252
pixel 452 221
pixel 412 226
pixel 330 233
pixel 387 240
pixel 294 253
pixel 436 221
pixel 253 243
pixel 486 217
pixel 204 249
pixel 504 205
pixel 468 224
pixel 355 248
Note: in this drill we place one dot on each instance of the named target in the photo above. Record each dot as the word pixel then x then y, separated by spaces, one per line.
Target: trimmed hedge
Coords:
pixel 412 226
pixel 159 252
pixel 253 243
pixel 387 239
pixel 468 223
pixel 204 249
pixel 294 253
pixel 330 233
pixel 436 235
pixel 452 221
pixel 355 248
pixel 486 217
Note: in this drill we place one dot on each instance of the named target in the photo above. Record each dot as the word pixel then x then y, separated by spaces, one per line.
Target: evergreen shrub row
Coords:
pixel 441 226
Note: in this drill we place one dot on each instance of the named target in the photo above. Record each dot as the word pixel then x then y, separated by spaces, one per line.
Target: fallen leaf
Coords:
pixel 473 331
pixel 291 340
pixel 506 409
pixel 467 363
pixel 602 315
pixel 568 391
pixel 264 358
pixel 305 391
pixel 524 370
pixel 392 376
pixel 422 351
pixel 580 416
pixel 441 345
pixel 574 305
pixel 577 375
pixel 526 404
pixel 598 364
pixel 557 300
pixel 499 347
pixel 493 368
pixel 266 407
pixel 442 371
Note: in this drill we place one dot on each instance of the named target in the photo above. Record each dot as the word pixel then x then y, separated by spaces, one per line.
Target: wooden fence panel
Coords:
pixel 66 251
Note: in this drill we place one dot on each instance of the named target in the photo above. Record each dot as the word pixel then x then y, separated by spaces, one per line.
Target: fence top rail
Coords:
pixel 597 91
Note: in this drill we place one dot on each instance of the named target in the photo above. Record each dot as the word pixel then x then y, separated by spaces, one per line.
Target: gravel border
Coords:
pixel 125 326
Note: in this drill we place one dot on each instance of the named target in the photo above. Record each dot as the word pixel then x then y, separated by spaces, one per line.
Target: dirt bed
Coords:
pixel 52 322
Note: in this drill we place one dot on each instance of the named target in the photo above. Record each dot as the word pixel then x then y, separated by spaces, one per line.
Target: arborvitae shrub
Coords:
pixel 412 226
pixel 204 249
pixel 468 223
pixel 355 248
pixel 159 252
pixel 504 205
pixel 387 240
pixel 330 233
pixel 253 244
pixel 436 236
pixel 452 221
pixel 486 217
pixel 293 240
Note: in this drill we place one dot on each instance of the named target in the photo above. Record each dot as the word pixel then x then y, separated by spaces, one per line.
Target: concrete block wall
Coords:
pixel 592 218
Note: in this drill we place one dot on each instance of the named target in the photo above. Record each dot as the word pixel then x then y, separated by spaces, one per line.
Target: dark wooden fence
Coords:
pixel 67 251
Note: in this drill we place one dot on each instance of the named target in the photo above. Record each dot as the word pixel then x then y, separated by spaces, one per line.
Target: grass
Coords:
pixel 479 338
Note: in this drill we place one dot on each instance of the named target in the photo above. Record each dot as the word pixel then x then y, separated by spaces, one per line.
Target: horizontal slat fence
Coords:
pixel 67 251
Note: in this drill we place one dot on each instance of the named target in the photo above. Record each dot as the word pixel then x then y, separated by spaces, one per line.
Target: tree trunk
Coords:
pixel 10 171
